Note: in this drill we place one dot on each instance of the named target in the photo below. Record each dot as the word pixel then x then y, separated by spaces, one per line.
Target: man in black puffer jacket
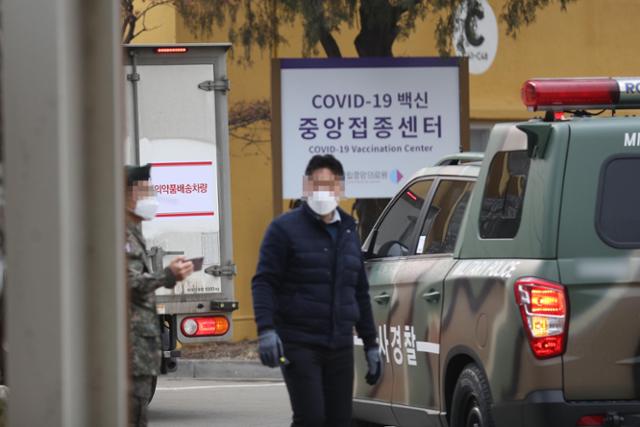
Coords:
pixel 309 291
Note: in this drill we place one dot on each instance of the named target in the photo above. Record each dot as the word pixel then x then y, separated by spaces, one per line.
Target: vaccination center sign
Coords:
pixel 383 118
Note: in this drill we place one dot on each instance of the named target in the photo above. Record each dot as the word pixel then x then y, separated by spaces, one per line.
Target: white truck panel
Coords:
pixel 171 105
pixel 177 136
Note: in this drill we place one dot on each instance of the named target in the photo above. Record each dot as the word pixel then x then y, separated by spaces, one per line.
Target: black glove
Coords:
pixel 270 348
pixel 374 362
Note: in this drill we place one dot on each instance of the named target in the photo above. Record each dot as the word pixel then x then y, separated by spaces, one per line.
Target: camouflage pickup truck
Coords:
pixel 506 285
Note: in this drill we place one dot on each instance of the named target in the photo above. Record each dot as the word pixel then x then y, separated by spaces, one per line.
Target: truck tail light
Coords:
pixel 543 306
pixel 591 420
pixel 210 326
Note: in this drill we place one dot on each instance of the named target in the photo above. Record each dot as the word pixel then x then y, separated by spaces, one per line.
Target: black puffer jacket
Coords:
pixel 310 289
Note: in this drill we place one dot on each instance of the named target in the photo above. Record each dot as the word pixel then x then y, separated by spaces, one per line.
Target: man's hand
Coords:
pixel 374 362
pixel 270 349
pixel 181 268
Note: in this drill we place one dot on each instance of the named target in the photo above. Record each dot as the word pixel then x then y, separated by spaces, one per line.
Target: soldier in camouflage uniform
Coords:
pixel 144 333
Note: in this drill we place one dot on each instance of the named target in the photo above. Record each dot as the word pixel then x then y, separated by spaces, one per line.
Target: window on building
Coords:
pixel 444 217
pixel 396 232
pixel 503 196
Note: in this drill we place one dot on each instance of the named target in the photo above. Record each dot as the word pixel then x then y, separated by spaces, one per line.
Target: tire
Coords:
pixel 154 383
pixel 471 403
pixel 360 423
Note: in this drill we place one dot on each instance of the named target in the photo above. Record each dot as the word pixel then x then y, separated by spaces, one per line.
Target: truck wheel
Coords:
pixel 360 423
pixel 471 404
pixel 154 383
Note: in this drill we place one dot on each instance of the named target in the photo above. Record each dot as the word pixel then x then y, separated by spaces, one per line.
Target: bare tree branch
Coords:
pixel 519 13
pixel 130 18
pixel 249 139
pixel 128 21
pixel 243 113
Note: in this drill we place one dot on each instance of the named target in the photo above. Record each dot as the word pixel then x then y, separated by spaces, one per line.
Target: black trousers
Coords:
pixel 320 385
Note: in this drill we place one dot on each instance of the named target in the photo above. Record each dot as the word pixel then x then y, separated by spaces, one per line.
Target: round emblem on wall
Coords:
pixel 476 34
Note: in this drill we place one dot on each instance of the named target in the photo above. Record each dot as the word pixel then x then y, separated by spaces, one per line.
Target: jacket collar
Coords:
pixel 345 219
pixel 135 228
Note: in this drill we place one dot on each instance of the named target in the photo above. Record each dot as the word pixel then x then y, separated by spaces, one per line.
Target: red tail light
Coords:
pixel 204 326
pixel 543 306
pixel 591 420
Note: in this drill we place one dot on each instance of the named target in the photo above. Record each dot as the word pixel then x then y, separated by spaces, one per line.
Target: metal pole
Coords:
pixel 134 77
pixel 64 213
pixel 103 143
pixel 224 170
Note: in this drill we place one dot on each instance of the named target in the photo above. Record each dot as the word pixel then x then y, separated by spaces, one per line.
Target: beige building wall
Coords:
pixel 158 25
pixel 593 38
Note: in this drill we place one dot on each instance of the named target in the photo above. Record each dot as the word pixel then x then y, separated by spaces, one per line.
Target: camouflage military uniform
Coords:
pixel 144 333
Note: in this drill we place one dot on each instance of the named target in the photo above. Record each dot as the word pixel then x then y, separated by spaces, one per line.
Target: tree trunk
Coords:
pixel 378 28
pixel 330 45
pixel 316 17
pixel 378 31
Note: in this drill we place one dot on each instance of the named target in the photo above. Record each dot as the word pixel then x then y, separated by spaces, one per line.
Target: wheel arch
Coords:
pixel 457 359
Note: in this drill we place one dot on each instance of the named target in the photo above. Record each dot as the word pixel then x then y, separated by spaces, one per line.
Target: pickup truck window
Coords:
pixel 618 223
pixel 397 230
pixel 442 224
pixel 503 196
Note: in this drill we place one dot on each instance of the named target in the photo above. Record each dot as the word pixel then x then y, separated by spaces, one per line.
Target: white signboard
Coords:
pixel 184 189
pixel 383 118
pixel 184 176
pixel 476 34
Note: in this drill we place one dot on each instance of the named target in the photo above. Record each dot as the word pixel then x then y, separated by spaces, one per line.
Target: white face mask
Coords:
pixel 322 202
pixel 146 208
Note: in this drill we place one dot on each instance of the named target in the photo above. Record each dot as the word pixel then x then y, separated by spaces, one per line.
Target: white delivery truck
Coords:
pixel 176 100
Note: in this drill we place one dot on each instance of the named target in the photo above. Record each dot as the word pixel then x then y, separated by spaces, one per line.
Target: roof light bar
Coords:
pixel 169 50
pixel 581 93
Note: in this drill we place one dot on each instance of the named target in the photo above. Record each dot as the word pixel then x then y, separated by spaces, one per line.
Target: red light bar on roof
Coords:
pixel 165 50
pixel 581 93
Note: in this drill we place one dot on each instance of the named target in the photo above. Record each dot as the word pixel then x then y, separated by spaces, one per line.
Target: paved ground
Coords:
pixel 233 370
pixel 222 350
pixel 196 402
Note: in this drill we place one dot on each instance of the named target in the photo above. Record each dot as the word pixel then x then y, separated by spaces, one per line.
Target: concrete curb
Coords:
pixel 225 369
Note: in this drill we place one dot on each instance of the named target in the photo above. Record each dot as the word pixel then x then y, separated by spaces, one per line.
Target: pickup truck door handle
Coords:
pixel 382 298
pixel 431 296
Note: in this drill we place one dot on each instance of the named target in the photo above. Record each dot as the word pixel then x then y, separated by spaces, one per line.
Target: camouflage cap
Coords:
pixel 137 173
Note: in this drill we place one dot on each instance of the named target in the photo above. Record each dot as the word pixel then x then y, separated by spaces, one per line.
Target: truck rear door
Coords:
pixel 599 260
pixel 174 105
